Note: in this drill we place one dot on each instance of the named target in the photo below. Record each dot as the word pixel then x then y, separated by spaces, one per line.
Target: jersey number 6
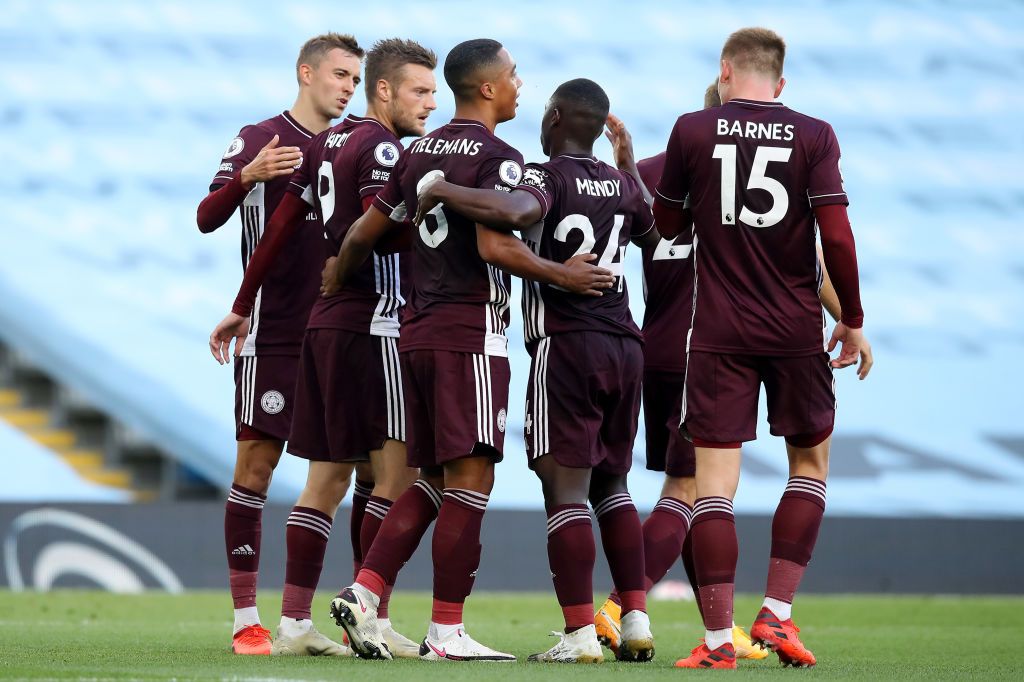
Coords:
pixel 433 238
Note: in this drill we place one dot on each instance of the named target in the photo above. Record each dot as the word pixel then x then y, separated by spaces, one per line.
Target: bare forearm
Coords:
pixel 514 257
pixel 498 210
pixel 827 292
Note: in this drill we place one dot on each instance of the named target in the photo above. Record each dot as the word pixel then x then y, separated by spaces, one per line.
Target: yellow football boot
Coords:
pixel 608 622
pixel 745 648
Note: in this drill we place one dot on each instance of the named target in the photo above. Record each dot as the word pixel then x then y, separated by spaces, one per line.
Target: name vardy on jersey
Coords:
pixel 433 145
pixel 756 131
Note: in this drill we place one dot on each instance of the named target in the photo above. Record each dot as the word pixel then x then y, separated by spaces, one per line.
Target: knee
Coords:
pixel 255 473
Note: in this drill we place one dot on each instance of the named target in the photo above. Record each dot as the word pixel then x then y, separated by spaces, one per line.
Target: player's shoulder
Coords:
pixel 807 121
pixel 372 137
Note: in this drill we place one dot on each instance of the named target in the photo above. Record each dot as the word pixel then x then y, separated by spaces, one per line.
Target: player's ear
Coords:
pixel 725 73
pixel 778 88
pixel 383 90
pixel 487 90
pixel 305 74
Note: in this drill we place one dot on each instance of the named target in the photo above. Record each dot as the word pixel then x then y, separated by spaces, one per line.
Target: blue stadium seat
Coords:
pixel 115 116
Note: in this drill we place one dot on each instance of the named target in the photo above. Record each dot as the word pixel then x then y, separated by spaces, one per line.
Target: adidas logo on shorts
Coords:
pixel 244 550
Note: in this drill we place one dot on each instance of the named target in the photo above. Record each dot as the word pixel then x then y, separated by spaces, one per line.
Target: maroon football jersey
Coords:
pixel 668 289
pixel 341 168
pixel 293 283
pixel 589 207
pixel 458 302
pixel 754 171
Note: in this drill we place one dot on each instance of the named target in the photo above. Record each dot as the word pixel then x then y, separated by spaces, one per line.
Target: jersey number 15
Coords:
pixel 758 180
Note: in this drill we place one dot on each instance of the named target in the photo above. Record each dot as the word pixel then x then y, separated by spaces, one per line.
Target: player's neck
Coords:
pixel 755 90
pixel 570 148
pixel 308 117
pixel 380 115
pixel 472 112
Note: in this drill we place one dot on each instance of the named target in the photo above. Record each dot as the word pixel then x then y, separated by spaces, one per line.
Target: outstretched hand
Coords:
pixel 231 327
pixel 622 143
pixel 583 278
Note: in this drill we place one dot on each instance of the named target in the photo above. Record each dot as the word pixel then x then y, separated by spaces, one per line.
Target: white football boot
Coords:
pixel 355 610
pixel 459 646
pixel 399 645
pixel 580 646
pixel 305 642
pixel 637 641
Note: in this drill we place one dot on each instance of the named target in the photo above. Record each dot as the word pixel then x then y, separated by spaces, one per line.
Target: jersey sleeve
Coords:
pixel 675 178
pixel 641 218
pixel 502 170
pixel 301 181
pixel 538 182
pixel 389 199
pixel 825 177
pixel 242 150
pixel 376 162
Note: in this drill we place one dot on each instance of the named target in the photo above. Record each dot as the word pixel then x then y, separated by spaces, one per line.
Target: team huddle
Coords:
pixel 369 335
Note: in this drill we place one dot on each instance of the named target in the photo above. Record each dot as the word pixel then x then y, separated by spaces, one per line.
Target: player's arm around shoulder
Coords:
pixel 505 211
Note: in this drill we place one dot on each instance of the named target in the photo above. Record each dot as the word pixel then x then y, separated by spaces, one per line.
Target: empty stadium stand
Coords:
pixel 114 117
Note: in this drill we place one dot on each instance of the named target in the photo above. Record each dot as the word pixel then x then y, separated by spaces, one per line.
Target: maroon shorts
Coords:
pixel 667 449
pixel 348 398
pixel 264 387
pixel 720 398
pixel 583 400
pixel 457 404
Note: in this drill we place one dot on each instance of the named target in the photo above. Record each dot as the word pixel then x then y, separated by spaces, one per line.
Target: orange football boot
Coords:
pixel 253 640
pixel 781 637
pixel 722 658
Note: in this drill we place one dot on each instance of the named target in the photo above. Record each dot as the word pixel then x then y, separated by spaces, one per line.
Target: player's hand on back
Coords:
pixel 622 143
pixel 583 278
pixel 329 278
pixel 426 199
pixel 852 343
pixel 271 162
pixel 231 327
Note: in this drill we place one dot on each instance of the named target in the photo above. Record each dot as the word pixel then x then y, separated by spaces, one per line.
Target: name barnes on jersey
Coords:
pixel 756 131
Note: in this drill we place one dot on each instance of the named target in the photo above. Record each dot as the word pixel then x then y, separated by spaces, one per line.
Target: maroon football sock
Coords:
pixel 403 528
pixel 664 533
pixel 794 533
pixel 691 571
pixel 456 546
pixel 715 551
pixel 243 515
pixel 306 535
pixel 359 498
pixel 623 540
pixel 385 601
pixel 376 509
pixel 571 553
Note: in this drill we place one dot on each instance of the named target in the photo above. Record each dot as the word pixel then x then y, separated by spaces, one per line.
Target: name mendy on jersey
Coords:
pixel 598 188
pixel 756 131
pixel 432 145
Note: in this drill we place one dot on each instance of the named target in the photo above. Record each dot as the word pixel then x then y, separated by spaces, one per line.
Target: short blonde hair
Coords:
pixel 315 49
pixel 760 50
pixel 711 96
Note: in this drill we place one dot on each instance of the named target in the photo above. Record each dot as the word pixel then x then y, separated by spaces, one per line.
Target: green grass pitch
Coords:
pixel 97 636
